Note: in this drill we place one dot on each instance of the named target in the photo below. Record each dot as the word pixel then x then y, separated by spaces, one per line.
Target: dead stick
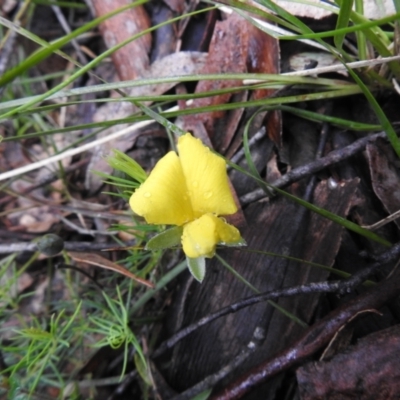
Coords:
pixel 298 173
pixel 345 286
pixel 313 340
pixel 73 246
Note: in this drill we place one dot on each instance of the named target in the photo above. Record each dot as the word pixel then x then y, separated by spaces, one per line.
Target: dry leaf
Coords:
pixel 132 59
pixel 99 261
pixel 372 9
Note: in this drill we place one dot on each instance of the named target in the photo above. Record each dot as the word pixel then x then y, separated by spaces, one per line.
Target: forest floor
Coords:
pixel 97 302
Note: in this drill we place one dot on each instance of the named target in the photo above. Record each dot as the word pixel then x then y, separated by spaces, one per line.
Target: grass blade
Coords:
pixel 342 21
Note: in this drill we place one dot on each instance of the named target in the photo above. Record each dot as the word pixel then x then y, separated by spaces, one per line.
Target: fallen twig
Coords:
pixel 315 287
pixel 313 340
pixel 69 246
pixel 296 174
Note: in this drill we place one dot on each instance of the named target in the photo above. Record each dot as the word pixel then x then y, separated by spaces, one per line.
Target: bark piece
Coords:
pixel 236 46
pixel 384 169
pixel 370 370
pixel 319 334
pixel 164 38
pixel 228 53
pixel 131 60
pixel 280 227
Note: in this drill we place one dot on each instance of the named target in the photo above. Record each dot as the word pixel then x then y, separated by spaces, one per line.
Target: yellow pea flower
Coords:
pixel 190 190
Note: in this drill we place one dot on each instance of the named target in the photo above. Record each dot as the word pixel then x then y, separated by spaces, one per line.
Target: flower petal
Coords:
pixel 163 196
pixel 202 235
pixel 206 178
pixel 227 233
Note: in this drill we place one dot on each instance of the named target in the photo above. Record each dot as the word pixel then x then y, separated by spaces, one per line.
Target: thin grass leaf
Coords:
pixel 96 61
pixel 374 35
pixel 324 213
pixel 335 271
pixel 342 21
pixel 249 159
pixel 386 125
pixel 276 79
pixel 297 22
pixel 335 121
pixel 251 8
pixel 47 49
pixel 335 218
pixel 336 91
pixel 65 4
pixel 255 290
pixel 378 39
pixel 361 26
pixel 121 162
pixel 361 40
pixel 116 180
pixel 169 126
pixel 167 278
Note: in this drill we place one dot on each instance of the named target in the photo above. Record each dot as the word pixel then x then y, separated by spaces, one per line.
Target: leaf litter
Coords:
pixel 362 187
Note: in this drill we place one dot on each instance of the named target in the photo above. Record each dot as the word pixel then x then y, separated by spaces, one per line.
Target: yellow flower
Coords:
pixel 189 190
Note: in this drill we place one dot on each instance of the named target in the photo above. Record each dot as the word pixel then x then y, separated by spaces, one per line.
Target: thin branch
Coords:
pixel 89 232
pixel 312 340
pixel 296 174
pixel 383 222
pixel 252 141
pixel 7 51
pixel 78 150
pixel 69 246
pixel 64 24
pixel 318 287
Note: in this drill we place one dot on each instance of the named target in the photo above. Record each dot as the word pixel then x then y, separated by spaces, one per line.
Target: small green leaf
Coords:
pixel 165 240
pixel 197 267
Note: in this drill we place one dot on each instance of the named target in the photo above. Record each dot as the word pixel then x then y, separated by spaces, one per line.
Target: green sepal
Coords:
pixel 165 240
pixel 197 267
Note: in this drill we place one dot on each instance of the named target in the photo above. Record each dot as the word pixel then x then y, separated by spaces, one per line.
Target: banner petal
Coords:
pixel 206 178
